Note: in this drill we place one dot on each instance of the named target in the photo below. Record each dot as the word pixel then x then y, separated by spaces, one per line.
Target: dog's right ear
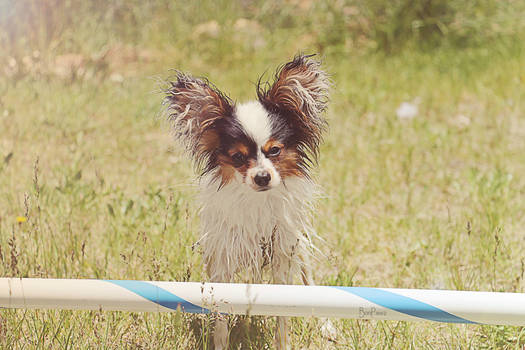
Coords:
pixel 195 107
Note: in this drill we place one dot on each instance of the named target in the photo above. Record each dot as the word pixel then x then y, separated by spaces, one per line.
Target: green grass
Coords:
pixel 433 202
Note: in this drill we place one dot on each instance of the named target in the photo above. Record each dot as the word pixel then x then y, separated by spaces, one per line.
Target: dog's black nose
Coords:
pixel 262 178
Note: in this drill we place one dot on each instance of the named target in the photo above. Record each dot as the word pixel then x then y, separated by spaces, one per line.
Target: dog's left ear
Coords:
pixel 299 94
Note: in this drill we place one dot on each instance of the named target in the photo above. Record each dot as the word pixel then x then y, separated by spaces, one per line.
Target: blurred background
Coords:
pixel 423 167
pixel 98 37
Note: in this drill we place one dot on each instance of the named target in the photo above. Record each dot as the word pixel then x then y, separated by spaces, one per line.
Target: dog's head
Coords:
pixel 262 142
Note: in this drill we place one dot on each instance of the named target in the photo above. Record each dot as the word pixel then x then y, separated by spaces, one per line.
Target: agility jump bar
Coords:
pixel 264 299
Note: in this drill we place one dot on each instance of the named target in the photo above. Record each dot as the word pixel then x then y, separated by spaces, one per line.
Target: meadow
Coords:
pixel 93 186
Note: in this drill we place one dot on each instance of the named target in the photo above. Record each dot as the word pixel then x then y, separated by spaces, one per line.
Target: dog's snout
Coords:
pixel 262 178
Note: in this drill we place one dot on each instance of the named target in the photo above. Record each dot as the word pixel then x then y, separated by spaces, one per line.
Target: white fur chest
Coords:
pixel 243 229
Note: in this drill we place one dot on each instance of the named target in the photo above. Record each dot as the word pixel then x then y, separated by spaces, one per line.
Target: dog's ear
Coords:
pixel 299 94
pixel 195 107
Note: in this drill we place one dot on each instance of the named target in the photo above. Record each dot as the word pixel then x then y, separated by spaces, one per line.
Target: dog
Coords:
pixel 255 158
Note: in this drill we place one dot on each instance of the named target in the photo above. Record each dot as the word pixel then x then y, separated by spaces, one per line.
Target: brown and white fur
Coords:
pixel 256 192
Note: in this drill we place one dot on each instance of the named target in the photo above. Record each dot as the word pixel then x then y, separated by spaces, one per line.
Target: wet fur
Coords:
pixel 243 230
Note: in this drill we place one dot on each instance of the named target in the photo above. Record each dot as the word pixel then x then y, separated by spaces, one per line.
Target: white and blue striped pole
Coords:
pixel 269 300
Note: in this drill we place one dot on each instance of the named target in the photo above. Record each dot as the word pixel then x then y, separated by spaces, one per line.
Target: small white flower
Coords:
pixel 407 110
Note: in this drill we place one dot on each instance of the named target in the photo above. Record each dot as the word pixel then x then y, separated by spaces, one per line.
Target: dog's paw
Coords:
pixel 328 330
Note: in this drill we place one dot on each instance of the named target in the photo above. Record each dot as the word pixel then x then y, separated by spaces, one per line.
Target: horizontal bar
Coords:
pixel 265 299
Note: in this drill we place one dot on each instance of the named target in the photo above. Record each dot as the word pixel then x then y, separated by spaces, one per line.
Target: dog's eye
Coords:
pixel 274 151
pixel 238 159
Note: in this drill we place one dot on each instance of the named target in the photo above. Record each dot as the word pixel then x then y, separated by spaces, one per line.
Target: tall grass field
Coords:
pixel 93 186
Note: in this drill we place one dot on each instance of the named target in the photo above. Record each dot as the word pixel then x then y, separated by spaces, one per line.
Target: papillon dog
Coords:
pixel 256 191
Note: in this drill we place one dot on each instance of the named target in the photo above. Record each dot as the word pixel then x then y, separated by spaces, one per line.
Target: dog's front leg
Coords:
pixel 282 333
pixel 220 333
pixel 218 273
pixel 282 274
